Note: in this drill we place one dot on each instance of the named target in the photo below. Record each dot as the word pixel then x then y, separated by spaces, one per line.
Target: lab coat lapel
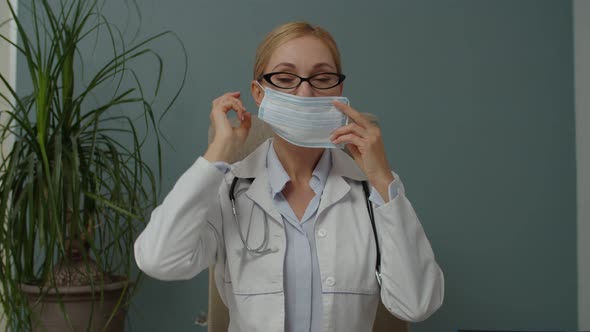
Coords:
pixel 259 192
pixel 336 186
pixel 254 166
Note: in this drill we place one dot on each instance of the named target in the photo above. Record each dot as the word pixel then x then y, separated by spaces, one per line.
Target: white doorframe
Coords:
pixel 7 64
pixel 8 69
pixel 581 30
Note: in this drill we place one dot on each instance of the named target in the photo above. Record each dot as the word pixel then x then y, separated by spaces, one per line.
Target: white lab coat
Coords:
pixel 194 228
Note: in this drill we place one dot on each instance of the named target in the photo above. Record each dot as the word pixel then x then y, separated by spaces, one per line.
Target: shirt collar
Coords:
pixel 254 165
pixel 278 177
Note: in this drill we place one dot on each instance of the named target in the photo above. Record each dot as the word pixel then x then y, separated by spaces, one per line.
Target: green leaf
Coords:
pixel 77 167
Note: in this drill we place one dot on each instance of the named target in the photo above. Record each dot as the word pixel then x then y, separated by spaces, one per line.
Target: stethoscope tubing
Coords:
pixel 259 250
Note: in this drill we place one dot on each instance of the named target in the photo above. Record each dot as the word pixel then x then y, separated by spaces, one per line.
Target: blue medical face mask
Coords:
pixel 303 121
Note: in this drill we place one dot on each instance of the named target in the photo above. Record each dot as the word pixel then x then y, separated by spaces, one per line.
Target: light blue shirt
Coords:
pixel 302 283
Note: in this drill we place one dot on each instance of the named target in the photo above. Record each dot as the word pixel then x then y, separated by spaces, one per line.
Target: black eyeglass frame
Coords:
pixel 267 77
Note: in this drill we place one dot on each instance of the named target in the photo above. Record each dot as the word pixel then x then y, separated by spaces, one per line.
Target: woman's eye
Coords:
pixel 285 79
pixel 325 79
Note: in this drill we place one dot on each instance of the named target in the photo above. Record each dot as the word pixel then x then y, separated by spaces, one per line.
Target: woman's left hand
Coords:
pixel 363 140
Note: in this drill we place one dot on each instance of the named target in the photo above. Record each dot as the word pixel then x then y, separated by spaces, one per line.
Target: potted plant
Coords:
pixel 75 186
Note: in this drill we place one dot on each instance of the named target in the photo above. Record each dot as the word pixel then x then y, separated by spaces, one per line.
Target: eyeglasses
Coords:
pixel 321 81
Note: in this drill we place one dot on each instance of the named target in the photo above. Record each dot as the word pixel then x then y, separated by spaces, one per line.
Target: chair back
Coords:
pixel 218 314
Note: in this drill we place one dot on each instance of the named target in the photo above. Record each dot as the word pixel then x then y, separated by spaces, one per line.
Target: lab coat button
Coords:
pixel 330 281
pixel 322 233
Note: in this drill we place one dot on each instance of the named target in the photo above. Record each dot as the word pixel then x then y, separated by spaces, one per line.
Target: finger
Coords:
pixel 235 94
pixel 352 113
pixel 349 138
pixel 350 128
pixel 244 128
pixel 354 151
pixel 241 110
pixel 228 98
pixel 227 104
pixel 246 123
pixel 225 96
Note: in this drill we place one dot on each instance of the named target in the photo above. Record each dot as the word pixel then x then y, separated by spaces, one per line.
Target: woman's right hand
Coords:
pixel 227 138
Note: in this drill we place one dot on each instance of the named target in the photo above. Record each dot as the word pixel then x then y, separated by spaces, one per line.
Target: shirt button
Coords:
pixel 330 281
pixel 322 233
pixel 313 182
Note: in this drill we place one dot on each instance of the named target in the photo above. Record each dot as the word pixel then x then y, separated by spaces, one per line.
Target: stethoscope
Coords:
pixel 260 249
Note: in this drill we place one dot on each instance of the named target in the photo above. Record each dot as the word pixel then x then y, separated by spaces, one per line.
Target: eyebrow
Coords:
pixel 316 66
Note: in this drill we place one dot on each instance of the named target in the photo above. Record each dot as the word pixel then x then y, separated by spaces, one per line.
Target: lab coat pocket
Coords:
pixel 254 273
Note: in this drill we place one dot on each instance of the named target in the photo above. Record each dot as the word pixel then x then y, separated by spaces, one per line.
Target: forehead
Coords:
pixel 303 53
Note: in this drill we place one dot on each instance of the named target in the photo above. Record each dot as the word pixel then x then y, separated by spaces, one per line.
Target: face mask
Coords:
pixel 303 121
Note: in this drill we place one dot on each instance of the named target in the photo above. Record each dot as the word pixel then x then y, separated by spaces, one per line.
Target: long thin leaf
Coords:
pixel 77 168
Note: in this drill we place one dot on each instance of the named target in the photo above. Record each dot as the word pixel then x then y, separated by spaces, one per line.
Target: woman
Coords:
pixel 299 253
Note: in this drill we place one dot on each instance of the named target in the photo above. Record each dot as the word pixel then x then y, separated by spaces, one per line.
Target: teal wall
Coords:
pixel 476 103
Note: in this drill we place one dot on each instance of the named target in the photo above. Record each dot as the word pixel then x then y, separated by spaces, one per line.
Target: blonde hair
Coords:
pixel 289 31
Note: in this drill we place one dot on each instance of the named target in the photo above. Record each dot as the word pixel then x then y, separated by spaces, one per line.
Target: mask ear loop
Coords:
pixel 260 85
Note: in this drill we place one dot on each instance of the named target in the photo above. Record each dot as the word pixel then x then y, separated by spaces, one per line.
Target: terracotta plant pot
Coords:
pixel 81 308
